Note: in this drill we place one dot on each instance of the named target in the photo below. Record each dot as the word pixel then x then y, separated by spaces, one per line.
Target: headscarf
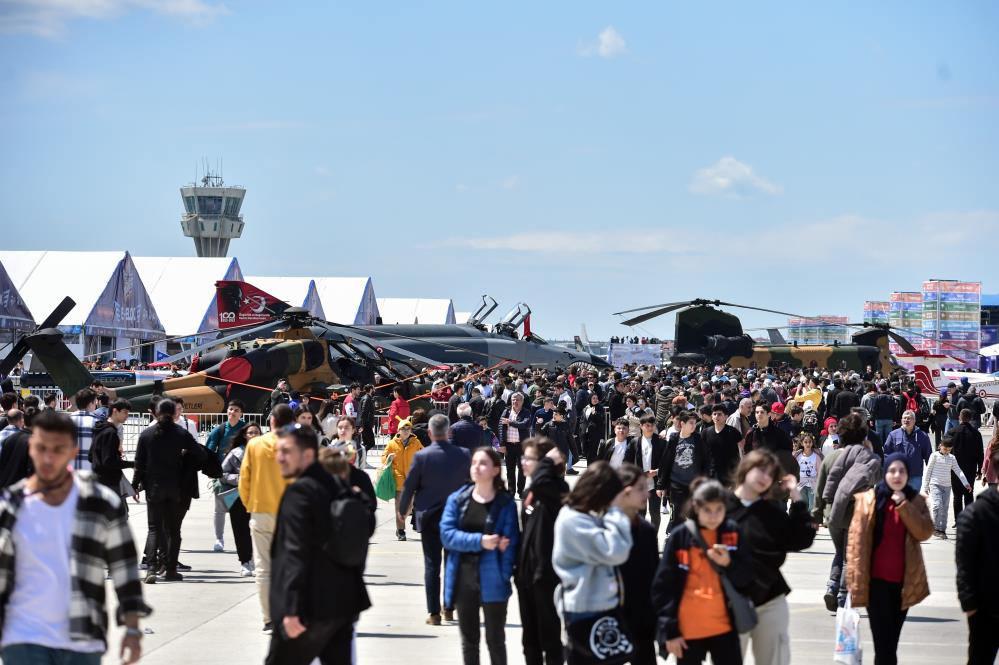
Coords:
pixel 882 495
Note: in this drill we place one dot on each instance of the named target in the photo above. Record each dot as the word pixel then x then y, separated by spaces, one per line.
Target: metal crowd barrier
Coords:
pixel 206 422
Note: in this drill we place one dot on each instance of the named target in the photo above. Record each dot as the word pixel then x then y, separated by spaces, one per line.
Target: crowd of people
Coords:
pixel 747 465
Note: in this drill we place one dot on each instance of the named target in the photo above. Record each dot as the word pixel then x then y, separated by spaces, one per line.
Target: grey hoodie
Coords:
pixel 588 549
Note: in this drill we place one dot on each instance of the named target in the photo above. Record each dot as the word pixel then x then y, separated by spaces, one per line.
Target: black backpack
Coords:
pixel 351 523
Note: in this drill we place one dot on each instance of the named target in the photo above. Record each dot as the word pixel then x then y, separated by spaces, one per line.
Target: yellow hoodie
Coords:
pixel 260 483
pixel 404 455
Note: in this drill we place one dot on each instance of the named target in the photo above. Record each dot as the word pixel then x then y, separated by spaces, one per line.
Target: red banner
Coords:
pixel 241 304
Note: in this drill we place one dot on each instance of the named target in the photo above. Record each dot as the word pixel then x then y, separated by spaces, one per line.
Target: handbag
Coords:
pixel 229 497
pixel 848 649
pixel 385 488
pixel 743 612
pixel 603 638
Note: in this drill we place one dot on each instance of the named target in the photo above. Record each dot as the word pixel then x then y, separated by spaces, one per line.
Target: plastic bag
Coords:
pixel 848 649
pixel 385 484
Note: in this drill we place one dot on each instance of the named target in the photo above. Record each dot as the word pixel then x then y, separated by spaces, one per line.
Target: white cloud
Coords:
pixel 633 241
pixel 730 177
pixel 608 44
pixel 511 182
pixel 48 18
pixel 849 237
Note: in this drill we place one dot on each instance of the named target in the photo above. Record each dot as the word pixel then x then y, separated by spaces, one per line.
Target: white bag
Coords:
pixel 848 649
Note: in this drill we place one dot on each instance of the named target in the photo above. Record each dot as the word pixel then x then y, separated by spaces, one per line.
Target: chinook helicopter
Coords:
pixel 706 335
pixel 266 340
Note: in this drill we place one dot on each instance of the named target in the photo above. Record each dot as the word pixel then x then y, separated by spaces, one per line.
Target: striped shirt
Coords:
pixel 938 471
pixel 101 541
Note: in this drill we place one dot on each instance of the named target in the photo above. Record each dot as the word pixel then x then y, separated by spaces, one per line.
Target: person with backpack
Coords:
pixel 688 594
pixel 320 541
pixel 856 469
pixel 480 533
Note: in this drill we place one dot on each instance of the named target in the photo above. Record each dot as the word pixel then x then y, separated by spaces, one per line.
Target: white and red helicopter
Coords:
pixel 933 372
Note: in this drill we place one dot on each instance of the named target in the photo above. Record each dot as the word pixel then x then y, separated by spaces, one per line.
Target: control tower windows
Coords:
pixel 232 206
pixel 210 205
pixel 189 204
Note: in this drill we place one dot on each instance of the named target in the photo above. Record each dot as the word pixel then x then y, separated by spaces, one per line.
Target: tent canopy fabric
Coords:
pixel 296 291
pixel 14 314
pixel 182 289
pixel 348 300
pixel 461 318
pixel 439 311
pixel 990 350
pixel 111 299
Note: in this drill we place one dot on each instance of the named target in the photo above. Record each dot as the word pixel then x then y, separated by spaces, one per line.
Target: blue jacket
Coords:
pixel 495 567
pixel 916 448
pixel 220 436
pixel 466 434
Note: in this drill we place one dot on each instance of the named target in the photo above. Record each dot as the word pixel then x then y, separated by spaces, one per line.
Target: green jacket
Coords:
pixel 221 435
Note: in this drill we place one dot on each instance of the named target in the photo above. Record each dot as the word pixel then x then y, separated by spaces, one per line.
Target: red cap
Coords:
pixel 776 407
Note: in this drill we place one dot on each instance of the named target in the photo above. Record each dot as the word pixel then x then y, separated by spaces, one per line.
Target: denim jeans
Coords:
pixel 883 428
pixel 951 424
pixel 940 502
pixel 915 482
pixel 34 654
pixel 808 496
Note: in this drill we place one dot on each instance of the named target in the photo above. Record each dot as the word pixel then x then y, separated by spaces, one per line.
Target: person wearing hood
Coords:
pixel 402 448
pixel 976 552
pixel 535 578
pixel 885 570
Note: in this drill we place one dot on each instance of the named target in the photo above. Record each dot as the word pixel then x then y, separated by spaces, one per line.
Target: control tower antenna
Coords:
pixel 212 212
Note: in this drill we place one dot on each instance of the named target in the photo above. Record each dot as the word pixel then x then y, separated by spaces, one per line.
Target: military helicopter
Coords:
pixel 706 335
pixel 268 340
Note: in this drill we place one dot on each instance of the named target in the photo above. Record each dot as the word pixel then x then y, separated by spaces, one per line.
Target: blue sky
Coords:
pixel 583 157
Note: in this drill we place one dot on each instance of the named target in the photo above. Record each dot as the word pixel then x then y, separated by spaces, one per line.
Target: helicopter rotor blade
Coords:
pixel 51 321
pixel 665 304
pixel 267 327
pixel 642 318
pixel 401 355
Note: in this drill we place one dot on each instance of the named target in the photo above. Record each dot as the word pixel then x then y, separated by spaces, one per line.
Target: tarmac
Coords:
pixel 213 616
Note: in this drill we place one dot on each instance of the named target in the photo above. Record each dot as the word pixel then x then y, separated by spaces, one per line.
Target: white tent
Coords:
pixel 990 350
pixel 296 291
pixel 462 318
pixel 347 300
pixel 182 289
pixel 416 310
pixel 111 299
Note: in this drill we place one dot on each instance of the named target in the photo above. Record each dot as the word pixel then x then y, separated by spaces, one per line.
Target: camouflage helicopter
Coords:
pixel 706 335
pixel 268 340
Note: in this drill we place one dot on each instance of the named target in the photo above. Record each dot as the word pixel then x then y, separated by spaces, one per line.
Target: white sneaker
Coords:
pixel 246 570
pixel 219 546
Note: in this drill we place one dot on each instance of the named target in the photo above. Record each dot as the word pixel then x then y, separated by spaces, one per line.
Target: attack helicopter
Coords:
pixel 265 340
pixel 706 335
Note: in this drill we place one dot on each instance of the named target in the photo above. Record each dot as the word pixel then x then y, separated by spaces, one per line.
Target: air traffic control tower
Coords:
pixel 211 215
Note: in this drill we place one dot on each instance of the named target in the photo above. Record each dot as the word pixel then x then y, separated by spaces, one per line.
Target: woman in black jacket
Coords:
pixel 595 426
pixel 161 471
pixel 769 534
pixel 535 578
pixel 639 570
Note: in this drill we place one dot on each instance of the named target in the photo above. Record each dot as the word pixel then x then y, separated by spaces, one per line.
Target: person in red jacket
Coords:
pixel 398 410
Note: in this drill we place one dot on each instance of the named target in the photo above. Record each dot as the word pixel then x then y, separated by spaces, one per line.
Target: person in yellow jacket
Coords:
pixel 403 446
pixel 812 395
pixel 261 487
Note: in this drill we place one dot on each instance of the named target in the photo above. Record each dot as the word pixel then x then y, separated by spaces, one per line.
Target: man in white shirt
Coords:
pixel 620 449
pixel 650 448
pixel 61 530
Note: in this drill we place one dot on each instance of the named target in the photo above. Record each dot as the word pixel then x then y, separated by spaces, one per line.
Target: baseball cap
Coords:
pixel 776 407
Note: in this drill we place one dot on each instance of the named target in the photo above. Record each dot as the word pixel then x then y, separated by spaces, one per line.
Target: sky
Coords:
pixel 582 157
